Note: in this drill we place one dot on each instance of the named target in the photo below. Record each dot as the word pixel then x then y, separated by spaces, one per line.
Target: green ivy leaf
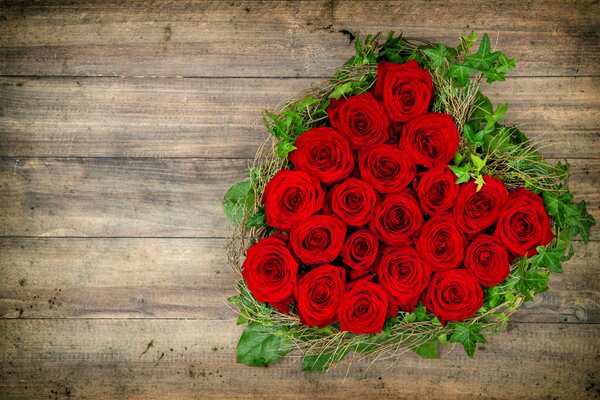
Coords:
pixel 437 54
pixel 549 258
pixel 257 219
pixel 285 148
pixel 492 298
pixel 461 73
pixel 428 350
pixel 466 42
pixel 479 182
pixel 238 199
pixel 262 345
pixel 558 206
pixel 478 162
pixel 533 281
pixel 462 172
pixel 322 362
pixel 580 221
pixel 341 90
pixel 483 59
pixel 468 335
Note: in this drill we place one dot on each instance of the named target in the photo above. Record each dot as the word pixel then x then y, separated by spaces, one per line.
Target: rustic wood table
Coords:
pixel 122 124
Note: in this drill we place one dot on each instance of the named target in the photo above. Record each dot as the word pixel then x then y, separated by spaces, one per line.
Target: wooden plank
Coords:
pixel 221 117
pixel 148 197
pixel 278 38
pixel 148 359
pixel 185 278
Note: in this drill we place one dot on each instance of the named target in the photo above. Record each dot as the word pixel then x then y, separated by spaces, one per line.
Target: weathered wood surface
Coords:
pixel 275 38
pixel 122 124
pixel 190 117
pixel 147 197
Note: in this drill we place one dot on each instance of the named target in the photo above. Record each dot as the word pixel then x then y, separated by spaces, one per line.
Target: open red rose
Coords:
pixel 270 270
pixel 488 260
pixel 318 240
pixel 437 190
pixel 386 168
pixel 397 218
pixel 353 201
pixel 476 210
pixel 324 153
pixel 318 294
pixel 363 308
pixel 404 277
pixel 523 223
pixel 453 295
pixel 291 196
pixel 361 119
pixel 405 89
pixel 360 252
pixel 441 244
pixel 430 139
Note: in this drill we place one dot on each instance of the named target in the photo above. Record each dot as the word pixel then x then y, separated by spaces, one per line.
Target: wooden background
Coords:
pixel 122 124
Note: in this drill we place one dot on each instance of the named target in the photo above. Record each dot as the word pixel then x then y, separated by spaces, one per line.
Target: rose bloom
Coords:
pixel 353 201
pixel 477 210
pixel 318 294
pixel 430 139
pixel 324 153
pixel 386 168
pixel 361 119
pixel 270 270
pixel 318 240
pixel 359 252
pixel 488 260
pixel 441 244
pixel 437 190
pixel 363 308
pixel 403 276
pixel 290 196
pixel 397 219
pixel 453 295
pixel 523 223
pixel 406 89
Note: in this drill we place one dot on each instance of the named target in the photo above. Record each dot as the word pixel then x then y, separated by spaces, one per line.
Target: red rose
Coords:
pixel 453 295
pixel 270 270
pixel 488 260
pixel 430 139
pixel 361 119
pixel 291 196
pixel 523 223
pixel 318 240
pixel 324 153
pixel 318 293
pixel 360 252
pixel 397 219
pixel 363 308
pixel 437 190
pixel 353 201
pixel 386 168
pixel 474 211
pixel 404 277
pixel 405 89
pixel 441 244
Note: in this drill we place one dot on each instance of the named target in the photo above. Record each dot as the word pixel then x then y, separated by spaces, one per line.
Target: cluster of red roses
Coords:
pixel 375 221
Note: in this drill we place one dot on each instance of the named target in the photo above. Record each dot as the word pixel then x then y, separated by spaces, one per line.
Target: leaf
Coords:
pixel 238 200
pixel 483 59
pixel 478 162
pixel 462 172
pixel 533 281
pixel 492 298
pixel 461 73
pixel 437 54
pixel 467 41
pixel 341 90
pixel 558 206
pixel 549 258
pixel 257 219
pixel 480 182
pixel 580 221
pixel 482 107
pixel 474 138
pixel 428 350
pixel 322 362
pixel 261 345
pixel 468 335
pixel 285 148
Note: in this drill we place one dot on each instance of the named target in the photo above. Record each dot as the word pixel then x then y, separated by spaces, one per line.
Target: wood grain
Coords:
pixel 149 197
pixel 221 117
pixel 195 359
pixel 277 38
pixel 190 278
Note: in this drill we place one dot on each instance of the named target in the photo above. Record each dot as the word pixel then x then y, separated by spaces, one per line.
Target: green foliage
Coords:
pixel 257 219
pixel 323 361
pixel 468 335
pixel 569 216
pixel 550 258
pixel 262 345
pixel 428 350
pixel 238 200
